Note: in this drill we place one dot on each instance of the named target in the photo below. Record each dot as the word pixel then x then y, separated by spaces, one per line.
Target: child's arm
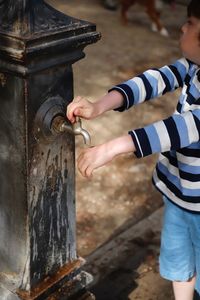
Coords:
pixel 95 157
pixel 174 133
pixel 150 84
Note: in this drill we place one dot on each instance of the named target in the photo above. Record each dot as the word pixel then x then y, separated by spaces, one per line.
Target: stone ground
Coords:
pixel 119 242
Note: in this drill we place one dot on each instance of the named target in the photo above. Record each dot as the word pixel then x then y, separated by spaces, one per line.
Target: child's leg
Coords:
pixel 184 290
pixel 177 255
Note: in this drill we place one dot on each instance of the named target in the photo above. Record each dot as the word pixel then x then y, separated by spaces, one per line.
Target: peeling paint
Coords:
pixel 52 207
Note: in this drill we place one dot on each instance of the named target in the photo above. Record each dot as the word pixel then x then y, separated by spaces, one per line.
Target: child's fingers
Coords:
pixel 85 164
pixel 89 171
pixel 80 157
pixel 70 113
pixel 82 169
pixel 73 110
pixel 78 99
pixel 79 107
pixel 82 166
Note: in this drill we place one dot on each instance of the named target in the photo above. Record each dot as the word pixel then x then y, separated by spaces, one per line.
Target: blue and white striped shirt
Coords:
pixel 177 138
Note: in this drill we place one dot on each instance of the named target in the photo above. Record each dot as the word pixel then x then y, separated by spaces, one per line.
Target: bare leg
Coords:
pixel 184 290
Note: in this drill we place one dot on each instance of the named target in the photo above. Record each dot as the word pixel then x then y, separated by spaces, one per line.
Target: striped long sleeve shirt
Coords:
pixel 177 138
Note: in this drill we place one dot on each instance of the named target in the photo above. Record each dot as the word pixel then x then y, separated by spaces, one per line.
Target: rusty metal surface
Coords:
pixel 51 185
pixel 34 17
pixel 53 282
pixel 87 296
pixel 74 290
pixel 13 222
pixel 52 208
pixel 31 29
pixel 40 243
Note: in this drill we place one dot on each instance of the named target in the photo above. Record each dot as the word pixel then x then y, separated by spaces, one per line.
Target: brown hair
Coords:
pixel 193 9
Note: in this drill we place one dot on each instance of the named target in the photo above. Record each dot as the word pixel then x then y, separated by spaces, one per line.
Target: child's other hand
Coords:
pixel 80 107
pixel 93 158
pixel 98 156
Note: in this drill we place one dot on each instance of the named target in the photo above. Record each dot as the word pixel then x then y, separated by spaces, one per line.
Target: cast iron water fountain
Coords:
pixel 38 46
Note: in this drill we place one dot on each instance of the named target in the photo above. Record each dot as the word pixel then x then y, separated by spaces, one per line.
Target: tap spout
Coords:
pixel 85 135
pixel 59 124
pixel 79 130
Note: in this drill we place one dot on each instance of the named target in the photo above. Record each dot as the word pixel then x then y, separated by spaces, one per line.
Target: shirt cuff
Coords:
pixel 126 92
pixel 141 142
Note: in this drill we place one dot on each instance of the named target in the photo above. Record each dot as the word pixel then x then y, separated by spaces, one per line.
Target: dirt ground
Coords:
pixel 121 194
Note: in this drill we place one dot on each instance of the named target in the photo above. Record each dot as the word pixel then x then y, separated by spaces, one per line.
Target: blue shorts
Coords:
pixel 180 244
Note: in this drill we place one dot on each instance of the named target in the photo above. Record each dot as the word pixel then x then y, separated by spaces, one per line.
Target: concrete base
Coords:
pixel 7 295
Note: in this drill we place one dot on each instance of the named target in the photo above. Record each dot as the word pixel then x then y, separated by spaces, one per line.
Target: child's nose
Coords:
pixel 183 28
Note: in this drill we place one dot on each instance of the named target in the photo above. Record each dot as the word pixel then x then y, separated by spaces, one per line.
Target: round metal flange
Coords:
pixel 51 108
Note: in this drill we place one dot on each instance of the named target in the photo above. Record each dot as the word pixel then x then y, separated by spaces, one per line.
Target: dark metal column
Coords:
pixel 38 46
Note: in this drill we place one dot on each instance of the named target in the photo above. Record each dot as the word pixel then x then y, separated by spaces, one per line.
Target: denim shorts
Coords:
pixel 180 244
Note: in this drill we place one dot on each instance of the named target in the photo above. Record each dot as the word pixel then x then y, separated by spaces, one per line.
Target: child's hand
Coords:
pixel 98 156
pixel 93 158
pixel 85 109
pixel 81 107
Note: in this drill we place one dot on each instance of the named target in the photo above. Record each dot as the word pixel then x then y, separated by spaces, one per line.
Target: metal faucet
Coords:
pixel 59 124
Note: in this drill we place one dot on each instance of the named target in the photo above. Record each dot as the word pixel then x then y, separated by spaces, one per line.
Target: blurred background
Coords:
pixel 121 194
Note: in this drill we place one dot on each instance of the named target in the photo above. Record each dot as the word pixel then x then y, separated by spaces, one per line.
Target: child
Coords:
pixel 177 173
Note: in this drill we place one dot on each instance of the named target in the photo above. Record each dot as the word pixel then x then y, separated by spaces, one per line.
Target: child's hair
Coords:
pixel 193 9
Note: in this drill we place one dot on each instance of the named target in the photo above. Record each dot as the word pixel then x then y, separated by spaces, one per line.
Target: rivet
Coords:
pixel 3 79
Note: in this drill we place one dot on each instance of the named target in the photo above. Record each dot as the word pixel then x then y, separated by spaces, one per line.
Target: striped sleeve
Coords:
pixel 173 133
pixel 152 83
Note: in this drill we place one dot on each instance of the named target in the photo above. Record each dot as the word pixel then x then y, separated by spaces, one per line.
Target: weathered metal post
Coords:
pixel 38 46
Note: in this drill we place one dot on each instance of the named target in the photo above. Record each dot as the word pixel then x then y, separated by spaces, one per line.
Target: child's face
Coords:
pixel 190 40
